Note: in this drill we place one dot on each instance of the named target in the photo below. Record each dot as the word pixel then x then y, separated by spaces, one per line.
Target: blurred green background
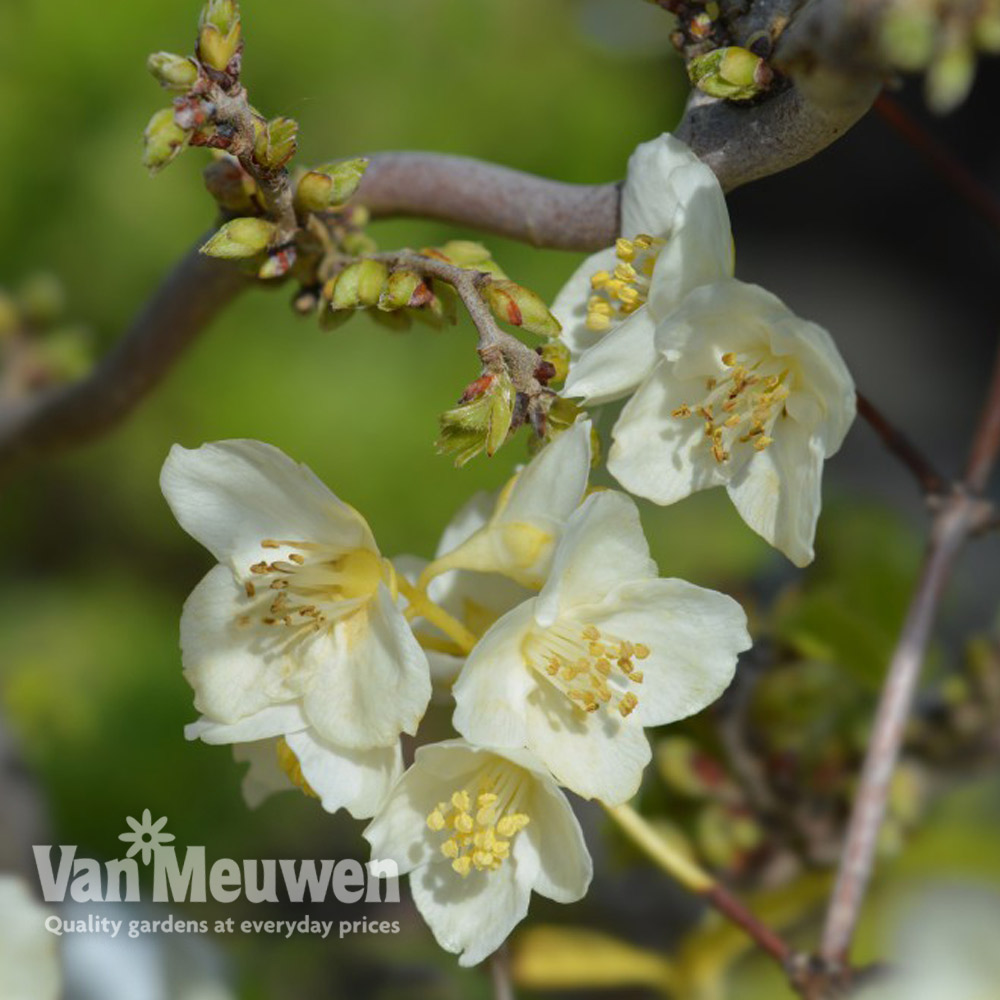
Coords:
pixel 96 569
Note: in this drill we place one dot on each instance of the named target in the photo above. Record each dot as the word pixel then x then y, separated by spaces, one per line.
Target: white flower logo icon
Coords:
pixel 146 836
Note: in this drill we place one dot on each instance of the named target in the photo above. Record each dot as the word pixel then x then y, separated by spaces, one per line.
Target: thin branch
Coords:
pixel 986 442
pixel 961 515
pixel 184 304
pixel 941 160
pixel 503 986
pixel 930 480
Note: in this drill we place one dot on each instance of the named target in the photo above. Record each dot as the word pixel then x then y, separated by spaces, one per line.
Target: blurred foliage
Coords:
pixel 89 664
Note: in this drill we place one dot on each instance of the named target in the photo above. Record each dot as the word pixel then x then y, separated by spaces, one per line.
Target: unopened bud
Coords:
pixel 466 253
pixel 403 289
pixel 219 33
pixel 164 139
pixel 733 73
pixel 172 71
pixel 345 177
pixel 482 423
pixel 949 78
pixel 907 36
pixel 275 143
pixel 372 277
pixel 987 27
pixel 231 186
pixel 278 264
pixel 240 238
pixel 312 193
pixel 519 306
pixel 341 291
pixel 556 353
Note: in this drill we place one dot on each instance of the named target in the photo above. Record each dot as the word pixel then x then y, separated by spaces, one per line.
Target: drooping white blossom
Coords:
pixel 745 395
pixel 605 649
pixel 478 830
pixel 675 237
pixel 284 753
pixel 300 614
pixel 519 535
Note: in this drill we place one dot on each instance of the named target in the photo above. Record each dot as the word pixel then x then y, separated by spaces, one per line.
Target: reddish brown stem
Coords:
pixel 986 442
pixel 930 480
pixel 765 938
pixel 941 160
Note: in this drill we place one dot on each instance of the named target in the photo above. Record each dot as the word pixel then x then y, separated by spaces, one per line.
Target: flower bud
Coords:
pixel 240 238
pixel 906 35
pixel 372 277
pixel 480 424
pixel 341 291
pixel 172 71
pixel 987 27
pixel 278 264
pixel 556 353
pixel 312 193
pixel 733 73
pixel 514 304
pixel 164 139
pixel 466 253
pixel 219 33
pixel 403 289
pixel 345 177
pixel 950 76
pixel 231 186
pixel 275 143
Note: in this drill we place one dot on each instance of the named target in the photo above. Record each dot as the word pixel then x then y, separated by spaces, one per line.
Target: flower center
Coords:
pixel 289 763
pixel 741 407
pixel 481 820
pixel 592 669
pixel 618 293
pixel 314 584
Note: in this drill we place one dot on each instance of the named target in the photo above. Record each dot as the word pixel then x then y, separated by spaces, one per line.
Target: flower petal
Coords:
pixel 656 455
pixel 231 495
pixel 615 365
pixel 264 777
pixel 570 305
pixel 491 691
pixel 603 546
pixel 235 671
pixel 779 494
pixel 355 780
pixel 694 636
pixel 565 868
pixel 598 755
pixel 474 915
pixel 369 678
pixel 277 720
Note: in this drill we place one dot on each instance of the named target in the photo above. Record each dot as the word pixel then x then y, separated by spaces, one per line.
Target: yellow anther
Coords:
pixel 641 651
pixel 436 820
pixel 625 249
pixel 462 865
pixel 591 632
pixel 461 801
pixel 762 442
pixel 627 705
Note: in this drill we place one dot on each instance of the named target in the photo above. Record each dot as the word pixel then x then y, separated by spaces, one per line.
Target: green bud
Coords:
pixel 950 76
pixel 481 423
pixel 312 193
pixel 372 277
pixel 231 186
pixel 345 177
pixel 42 300
pixel 907 35
pixel 514 304
pixel 342 290
pixel 275 143
pixel 164 139
pixel 240 238
pixel 219 33
pixel 466 253
pixel 557 355
pixel 732 73
pixel 356 244
pixel 403 289
pixel 277 264
pixel 172 71
pixel 987 27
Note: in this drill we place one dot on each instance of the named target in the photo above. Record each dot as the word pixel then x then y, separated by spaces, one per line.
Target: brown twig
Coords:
pixel 930 480
pixel 941 160
pixel 184 304
pixel 960 515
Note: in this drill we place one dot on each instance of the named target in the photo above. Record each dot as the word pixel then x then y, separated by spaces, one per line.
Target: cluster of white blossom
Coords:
pixel 542 615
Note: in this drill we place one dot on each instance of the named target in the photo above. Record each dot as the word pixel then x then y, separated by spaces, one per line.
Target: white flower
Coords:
pixel 675 237
pixel 285 753
pixel 520 535
pixel 605 649
pixel 29 962
pixel 478 830
pixel 298 613
pixel 748 396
